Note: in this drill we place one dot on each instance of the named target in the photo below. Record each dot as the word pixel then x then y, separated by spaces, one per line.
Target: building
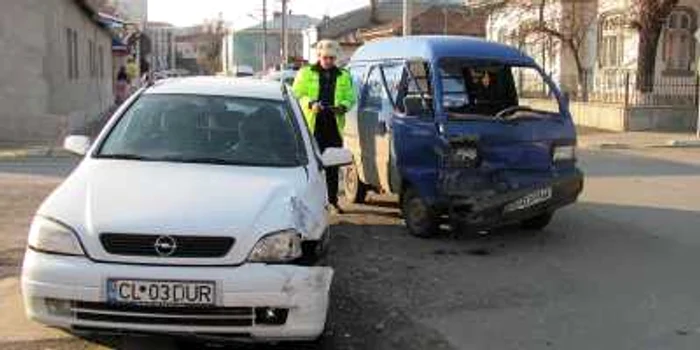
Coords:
pixel 134 14
pixel 245 47
pixel 383 18
pixel 603 71
pixel 162 51
pixel 134 10
pixel 55 72
pixel 189 41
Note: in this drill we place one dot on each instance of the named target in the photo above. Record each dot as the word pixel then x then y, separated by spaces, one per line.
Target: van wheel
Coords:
pixel 421 219
pixel 354 190
pixel 538 222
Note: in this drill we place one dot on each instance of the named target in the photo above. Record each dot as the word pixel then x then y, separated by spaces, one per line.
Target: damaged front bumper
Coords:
pixel 487 204
pixel 69 292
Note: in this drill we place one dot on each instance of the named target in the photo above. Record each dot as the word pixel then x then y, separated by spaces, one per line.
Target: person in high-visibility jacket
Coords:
pixel 326 93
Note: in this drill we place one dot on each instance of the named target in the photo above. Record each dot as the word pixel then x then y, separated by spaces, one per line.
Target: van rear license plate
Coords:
pixel 531 199
pixel 157 292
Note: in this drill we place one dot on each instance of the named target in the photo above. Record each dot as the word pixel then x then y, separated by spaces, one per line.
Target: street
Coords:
pixel 614 271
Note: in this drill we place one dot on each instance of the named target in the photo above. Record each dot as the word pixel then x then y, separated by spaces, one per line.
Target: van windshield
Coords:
pixel 494 91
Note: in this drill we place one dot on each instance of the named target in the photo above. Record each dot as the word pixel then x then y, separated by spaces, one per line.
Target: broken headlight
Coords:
pixel 277 247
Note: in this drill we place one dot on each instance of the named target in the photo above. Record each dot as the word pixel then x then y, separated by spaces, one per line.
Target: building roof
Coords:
pixel 387 13
pixel 219 86
pixel 294 22
pixel 430 47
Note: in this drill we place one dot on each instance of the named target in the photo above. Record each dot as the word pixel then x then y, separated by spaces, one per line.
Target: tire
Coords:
pixel 354 190
pixel 538 222
pixel 420 218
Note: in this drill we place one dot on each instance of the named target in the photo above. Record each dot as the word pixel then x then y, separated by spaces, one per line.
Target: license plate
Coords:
pixel 174 293
pixel 531 199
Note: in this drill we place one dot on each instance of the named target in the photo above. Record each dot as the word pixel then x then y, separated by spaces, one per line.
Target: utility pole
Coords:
pixel 407 16
pixel 264 25
pixel 285 47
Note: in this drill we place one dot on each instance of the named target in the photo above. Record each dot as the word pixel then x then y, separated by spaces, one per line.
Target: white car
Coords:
pixel 200 209
pixel 285 76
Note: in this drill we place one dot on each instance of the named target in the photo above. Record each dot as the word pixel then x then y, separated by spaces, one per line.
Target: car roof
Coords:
pixel 218 86
pixel 433 47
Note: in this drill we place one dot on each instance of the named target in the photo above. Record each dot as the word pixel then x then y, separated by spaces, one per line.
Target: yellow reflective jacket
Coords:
pixel 307 88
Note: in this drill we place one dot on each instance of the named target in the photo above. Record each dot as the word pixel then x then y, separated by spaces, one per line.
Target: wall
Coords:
pixel 37 99
pixel 662 118
pixel 598 115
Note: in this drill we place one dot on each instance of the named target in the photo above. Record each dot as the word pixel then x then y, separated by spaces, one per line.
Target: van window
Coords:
pixel 416 87
pixel 374 90
pixel 357 72
pixel 483 89
pixel 393 74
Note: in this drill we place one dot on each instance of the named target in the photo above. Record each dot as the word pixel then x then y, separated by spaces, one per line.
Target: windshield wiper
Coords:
pixel 126 156
pixel 218 161
pixel 198 160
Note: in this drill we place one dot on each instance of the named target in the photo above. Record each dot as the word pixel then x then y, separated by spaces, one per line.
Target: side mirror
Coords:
pixel 78 144
pixel 335 157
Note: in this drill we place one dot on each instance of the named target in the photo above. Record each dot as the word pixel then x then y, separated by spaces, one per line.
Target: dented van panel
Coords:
pixel 478 132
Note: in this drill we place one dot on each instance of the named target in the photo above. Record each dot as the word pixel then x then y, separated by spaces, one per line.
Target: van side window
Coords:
pixel 394 75
pixel 357 72
pixel 421 74
pixel 415 95
pixel 376 96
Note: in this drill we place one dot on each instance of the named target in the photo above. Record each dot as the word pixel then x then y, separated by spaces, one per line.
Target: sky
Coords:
pixel 239 12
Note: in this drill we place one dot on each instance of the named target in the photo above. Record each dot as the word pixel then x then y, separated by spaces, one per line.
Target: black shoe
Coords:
pixel 338 209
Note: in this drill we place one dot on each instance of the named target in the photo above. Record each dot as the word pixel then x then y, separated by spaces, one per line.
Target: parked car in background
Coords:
pixel 449 124
pixel 200 209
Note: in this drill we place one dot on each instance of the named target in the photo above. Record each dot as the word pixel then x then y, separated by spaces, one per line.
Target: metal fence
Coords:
pixel 620 86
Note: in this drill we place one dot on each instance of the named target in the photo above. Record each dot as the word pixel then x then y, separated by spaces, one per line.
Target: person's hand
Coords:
pixel 316 107
pixel 340 109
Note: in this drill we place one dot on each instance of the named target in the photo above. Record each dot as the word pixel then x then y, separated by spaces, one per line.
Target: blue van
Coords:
pixel 461 129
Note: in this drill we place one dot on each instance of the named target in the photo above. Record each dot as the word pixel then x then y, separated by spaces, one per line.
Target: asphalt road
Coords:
pixel 615 271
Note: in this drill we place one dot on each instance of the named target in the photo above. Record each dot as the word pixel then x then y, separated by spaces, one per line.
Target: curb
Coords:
pixel 624 146
pixel 683 143
pixel 33 153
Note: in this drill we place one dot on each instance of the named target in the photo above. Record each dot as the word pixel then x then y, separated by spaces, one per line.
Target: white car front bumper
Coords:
pixel 70 293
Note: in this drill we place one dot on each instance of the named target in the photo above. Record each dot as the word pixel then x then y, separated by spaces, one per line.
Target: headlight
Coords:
pixel 564 153
pixel 464 157
pixel 280 246
pixel 48 236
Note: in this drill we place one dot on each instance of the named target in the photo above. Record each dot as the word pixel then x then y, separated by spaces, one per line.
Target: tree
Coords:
pixel 566 21
pixel 210 46
pixel 649 17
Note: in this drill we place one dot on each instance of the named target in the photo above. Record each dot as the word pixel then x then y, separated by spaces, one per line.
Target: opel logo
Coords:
pixel 165 246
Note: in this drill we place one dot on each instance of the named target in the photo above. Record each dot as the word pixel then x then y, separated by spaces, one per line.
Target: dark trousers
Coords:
pixel 327 138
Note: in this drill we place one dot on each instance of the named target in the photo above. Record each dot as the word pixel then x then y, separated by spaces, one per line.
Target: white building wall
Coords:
pixel 36 94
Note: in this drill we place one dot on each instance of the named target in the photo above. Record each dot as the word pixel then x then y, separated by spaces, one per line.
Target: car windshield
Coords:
pixel 490 90
pixel 206 129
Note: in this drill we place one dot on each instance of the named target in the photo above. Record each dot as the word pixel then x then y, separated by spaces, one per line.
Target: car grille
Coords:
pixel 184 247
pixel 162 315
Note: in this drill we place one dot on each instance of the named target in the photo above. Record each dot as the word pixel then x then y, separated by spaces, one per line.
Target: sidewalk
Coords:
pixel 634 140
pixel 20 152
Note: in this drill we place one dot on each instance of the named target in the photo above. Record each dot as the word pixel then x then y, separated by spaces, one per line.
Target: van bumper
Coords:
pixel 489 209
